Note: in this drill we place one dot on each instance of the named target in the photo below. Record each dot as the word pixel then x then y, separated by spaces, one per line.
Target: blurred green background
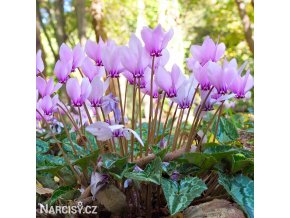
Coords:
pixel 73 21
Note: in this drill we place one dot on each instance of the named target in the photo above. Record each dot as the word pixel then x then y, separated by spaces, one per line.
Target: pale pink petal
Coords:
pixel 167 37
pixel 39 62
pixel 163 79
pixel 73 89
pixel 220 50
pixel 85 88
pixel 40 85
pixel 65 53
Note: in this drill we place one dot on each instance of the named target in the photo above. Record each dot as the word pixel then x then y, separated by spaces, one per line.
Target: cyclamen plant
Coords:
pixel 99 106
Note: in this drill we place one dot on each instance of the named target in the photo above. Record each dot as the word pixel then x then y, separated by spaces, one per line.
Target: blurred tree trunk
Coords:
pixel 38 14
pixel 246 24
pixel 81 19
pixel 39 44
pixel 98 21
pixel 60 24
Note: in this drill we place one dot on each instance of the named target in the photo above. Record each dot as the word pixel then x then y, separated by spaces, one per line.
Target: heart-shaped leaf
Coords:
pixel 179 196
pixel 152 172
pixel 226 131
pixel 241 188
pixel 41 146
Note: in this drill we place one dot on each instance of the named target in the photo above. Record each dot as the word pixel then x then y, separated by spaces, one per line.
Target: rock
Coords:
pixel 112 198
pixel 216 208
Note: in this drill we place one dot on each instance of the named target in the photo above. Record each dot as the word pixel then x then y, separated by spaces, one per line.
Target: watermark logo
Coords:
pixel 76 209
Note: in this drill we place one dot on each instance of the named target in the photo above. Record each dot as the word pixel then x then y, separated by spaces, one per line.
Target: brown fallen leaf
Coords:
pixel 43 191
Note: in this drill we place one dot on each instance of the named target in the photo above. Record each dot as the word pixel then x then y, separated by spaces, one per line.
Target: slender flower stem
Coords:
pixel 66 110
pixel 42 75
pixel 193 129
pixel 103 114
pixel 154 120
pixel 151 104
pixel 140 117
pixel 88 114
pixel 125 100
pixel 82 75
pixel 81 121
pixel 173 120
pixel 217 123
pixel 62 151
pixel 166 120
pixel 193 97
pixel 121 105
pixel 73 123
pixel 133 120
pixel 140 111
pixel 208 126
pixel 98 118
pixel 160 113
pixel 67 132
pixel 176 134
pixel 121 147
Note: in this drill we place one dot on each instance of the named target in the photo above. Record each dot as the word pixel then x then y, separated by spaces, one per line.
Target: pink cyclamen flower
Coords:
pixel 99 89
pixel 111 104
pixel 208 51
pixel 170 82
pixel 185 93
pixel 90 70
pixel 78 93
pixel 219 77
pixel 201 75
pixel 134 58
pixel 128 76
pixel 39 63
pixel 112 59
pixel 242 84
pixel 46 87
pixel 62 70
pixel 213 98
pixel 75 56
pixel 103 131
pixel 156 39
pixel 98 181
pixel 94 50
pixel 48 105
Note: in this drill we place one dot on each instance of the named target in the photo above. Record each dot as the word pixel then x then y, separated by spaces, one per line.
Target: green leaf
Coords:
pixel 232 158
pixel 179 196
pixel 49 169
pixel 226 132
pixel 241 188
pixel 85 161
pixel 58 193
pixel 203 161
pixel 115 164
pixel 41 146
pixel 240 162
pixel 152 172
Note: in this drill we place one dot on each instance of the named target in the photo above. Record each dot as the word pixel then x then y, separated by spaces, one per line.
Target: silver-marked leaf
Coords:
pixel 241 188
pixel 152 172
pixel 180 195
